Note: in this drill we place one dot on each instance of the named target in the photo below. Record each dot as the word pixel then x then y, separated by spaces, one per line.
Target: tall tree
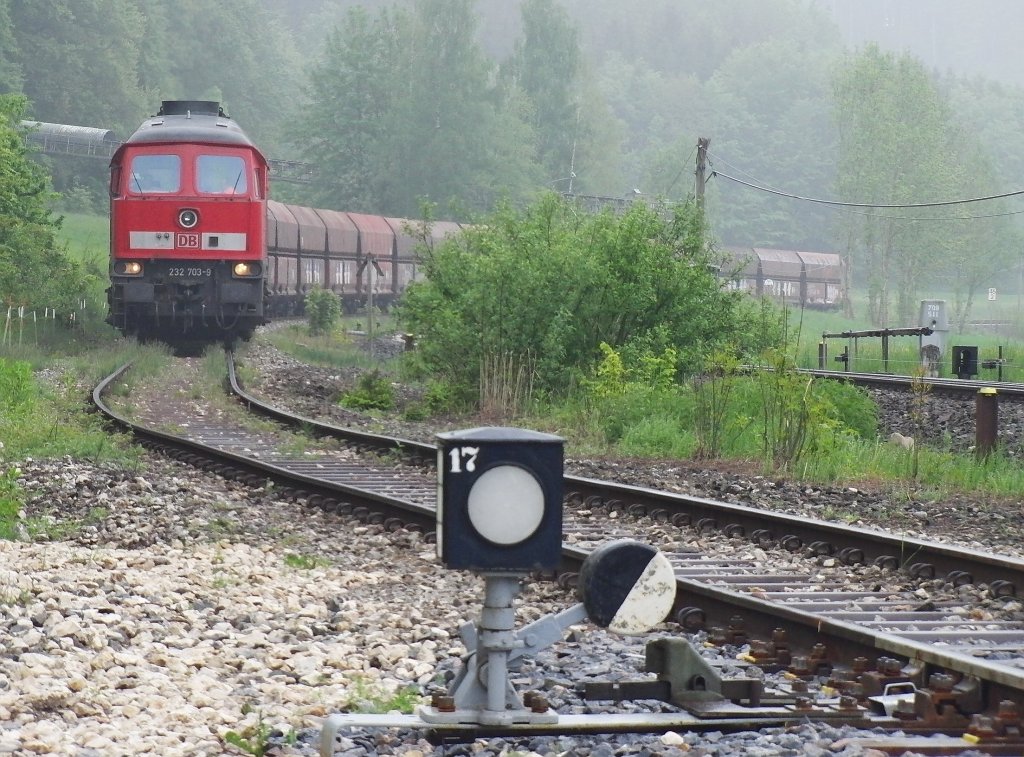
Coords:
pixel 897 145
pixel 756 103
pixel 402 110
pixel 447 122
pixel 546 65
pixel 33 271
pixel 241 54
pixel 10 70
pixel 348 126
pixel 83 55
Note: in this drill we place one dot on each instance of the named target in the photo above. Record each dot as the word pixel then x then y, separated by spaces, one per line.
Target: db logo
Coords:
pixel 186 240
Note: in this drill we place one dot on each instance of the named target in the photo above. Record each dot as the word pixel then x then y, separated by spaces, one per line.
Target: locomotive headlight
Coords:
pixel 129 268
pixel 246 269
pixel 188 218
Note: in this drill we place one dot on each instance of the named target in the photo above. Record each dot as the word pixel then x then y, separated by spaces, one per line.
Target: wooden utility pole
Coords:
pixel 702 160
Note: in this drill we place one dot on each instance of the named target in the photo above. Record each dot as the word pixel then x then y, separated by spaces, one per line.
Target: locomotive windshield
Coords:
pixel 155 173
pixel 221 174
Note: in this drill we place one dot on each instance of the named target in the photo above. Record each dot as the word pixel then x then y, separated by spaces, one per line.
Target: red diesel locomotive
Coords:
pixel 188 217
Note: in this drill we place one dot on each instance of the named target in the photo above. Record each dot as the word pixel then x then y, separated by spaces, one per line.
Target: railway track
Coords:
pixel 820 619
pixel 945 386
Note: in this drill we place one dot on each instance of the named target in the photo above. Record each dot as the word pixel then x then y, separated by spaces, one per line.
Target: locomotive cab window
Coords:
pixel 155 174
pixel 221 174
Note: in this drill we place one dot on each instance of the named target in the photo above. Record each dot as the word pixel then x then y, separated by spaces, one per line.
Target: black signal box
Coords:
pixel 499 500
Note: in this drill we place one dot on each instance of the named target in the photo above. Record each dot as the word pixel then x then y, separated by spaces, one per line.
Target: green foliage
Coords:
pixel 11 502
pixel 304 562
pixel 380 79
pixel 255 739
pixel 899 142
pixel 34 272
pixel 610 378
pixel 787 413
pixel 547 65
pixel 636 403
pixel 798 415
pixel 10 68
pixel 713 424
pixel 368 697
pixel 440 398
pixel 617 371
pixel 89 51
pixel 57 425
pixel 17 390
pixel 323 309
pixel 658 436
pixel 851 406
pixel 373 391
pixel 553 282
pixel 616 415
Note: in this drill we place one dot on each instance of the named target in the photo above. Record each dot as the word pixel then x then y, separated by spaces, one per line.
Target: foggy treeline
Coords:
pixel 466 104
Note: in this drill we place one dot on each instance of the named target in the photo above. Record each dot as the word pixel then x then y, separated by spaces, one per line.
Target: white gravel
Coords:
pixel 269 612
pixel 151 612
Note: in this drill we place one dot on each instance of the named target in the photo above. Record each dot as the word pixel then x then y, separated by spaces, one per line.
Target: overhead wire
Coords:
pixel 841 205
pixel 682 167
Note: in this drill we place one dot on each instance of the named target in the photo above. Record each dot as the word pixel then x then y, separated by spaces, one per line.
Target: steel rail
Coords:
pixel 844 639
pixel 1011 390
pixel 701 601
pixel 331 494
pixel 920 557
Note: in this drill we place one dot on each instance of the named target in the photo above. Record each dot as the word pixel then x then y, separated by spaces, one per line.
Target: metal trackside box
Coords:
pixel 499 500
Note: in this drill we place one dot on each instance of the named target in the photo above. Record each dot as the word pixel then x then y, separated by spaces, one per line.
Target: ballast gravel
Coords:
pixel 156 611
pixel 186 607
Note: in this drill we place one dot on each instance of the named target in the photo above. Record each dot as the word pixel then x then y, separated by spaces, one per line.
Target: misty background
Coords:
pixel 450 107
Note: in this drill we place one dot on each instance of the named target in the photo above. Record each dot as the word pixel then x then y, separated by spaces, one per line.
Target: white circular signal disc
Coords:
pixel 506 505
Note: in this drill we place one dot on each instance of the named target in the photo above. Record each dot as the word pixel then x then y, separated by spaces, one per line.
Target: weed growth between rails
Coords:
pixel 370 697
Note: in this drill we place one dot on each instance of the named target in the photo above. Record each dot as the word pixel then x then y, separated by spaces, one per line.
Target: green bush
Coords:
pixel 658 436
pixel 372 392
pixel 617 415
pixel 556 283
pixel 11 501
pixel 441 398
pixel 850 406
pixel 323 309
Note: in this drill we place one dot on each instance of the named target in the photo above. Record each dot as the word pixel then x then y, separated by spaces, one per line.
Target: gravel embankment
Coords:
pixel 183 606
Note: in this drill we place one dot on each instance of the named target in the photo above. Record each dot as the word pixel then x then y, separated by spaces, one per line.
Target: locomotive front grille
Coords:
pixel 189 287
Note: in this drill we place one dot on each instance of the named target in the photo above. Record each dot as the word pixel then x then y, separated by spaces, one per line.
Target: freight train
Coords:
pixel 791 277
pixel 366 260
pixel 200 254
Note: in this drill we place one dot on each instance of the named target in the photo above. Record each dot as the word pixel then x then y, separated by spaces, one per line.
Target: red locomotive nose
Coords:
pixel 188 228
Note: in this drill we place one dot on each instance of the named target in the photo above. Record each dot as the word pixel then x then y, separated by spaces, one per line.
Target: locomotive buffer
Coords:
pixel 499 514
